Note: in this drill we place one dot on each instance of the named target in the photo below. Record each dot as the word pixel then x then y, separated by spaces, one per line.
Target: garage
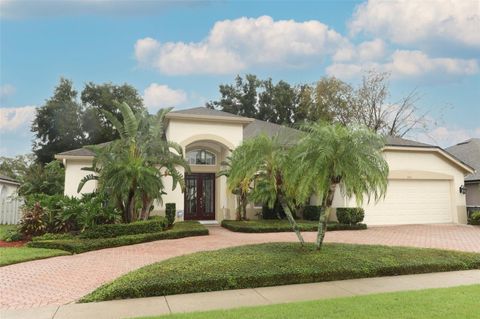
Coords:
pixel 412 202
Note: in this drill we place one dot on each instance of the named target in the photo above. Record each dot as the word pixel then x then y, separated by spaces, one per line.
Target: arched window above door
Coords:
pixel 200 157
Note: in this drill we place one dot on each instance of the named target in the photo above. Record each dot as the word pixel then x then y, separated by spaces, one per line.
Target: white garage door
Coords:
pixel 412 202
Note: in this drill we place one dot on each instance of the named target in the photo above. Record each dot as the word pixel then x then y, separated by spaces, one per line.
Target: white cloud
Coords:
pixel 414 22
pixel 404 63
pixel 447 136
pixel 365 51
pixel 158 96
pixel 234 45
pixel 6 90
pixel 16 117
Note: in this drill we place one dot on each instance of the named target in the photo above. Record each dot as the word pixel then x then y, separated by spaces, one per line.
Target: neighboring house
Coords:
pixel 469 152
pixel 423 183
pixel 8 187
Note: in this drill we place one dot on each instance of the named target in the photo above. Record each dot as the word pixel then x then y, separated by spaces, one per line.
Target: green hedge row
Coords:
pixel 277 264
pixel 273 226
pixel 114 230
pixel 80 245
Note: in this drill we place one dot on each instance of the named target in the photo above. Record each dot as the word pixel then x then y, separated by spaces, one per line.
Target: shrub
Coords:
pixel 273 226
pixel 32 223
pixel 79 245
pixel 474 218
pixel 311 212
pixel 273 213
pixel 350 216
pixel 115 230
pixel 13 235
pixel 170 212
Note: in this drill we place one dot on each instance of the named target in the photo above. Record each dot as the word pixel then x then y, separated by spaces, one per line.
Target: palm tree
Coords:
pixel 131 169
pixel 331 156
pixel 263 161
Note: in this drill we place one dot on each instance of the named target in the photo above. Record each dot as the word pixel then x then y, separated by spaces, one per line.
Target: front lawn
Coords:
pixel 13 255
pixel 278 264
pixel 80 244
pixel 282 225
pixel 457 302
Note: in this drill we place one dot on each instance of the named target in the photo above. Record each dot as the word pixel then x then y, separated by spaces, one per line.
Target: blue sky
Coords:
pixel 176 54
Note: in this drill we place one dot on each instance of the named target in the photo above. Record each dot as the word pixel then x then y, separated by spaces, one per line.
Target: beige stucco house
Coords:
pixel 424 180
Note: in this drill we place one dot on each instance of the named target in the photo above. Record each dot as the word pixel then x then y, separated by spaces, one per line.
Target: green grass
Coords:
pixel 79 245
pixel 278 264
pixel 5 231
pixel 458 302
pixel 277 225
pixel 14 255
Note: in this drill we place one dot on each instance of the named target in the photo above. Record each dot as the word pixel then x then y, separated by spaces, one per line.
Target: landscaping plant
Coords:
pixel 132 168
pixel 350 216
pixel 170 212
pixel 329 157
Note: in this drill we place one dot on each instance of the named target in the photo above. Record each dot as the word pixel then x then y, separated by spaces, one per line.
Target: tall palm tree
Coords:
pixel 132 168
pixel 332 156
pixel 263 161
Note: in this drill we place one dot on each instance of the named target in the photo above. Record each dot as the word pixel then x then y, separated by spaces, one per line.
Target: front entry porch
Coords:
pixel 199 196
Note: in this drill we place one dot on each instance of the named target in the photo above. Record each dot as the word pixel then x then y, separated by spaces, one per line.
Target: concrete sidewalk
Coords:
pixel 246 297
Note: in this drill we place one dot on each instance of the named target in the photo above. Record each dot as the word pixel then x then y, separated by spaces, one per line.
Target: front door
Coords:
pixel 199 196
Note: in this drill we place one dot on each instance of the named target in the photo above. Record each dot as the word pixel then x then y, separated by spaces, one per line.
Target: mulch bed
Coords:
pixel 12 243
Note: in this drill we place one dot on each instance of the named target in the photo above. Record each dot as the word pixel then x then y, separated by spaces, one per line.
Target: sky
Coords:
pixel 177 53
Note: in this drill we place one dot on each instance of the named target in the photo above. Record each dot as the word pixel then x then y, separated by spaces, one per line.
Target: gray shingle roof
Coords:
pixel 285 134
pixel 468 152
pixel 81 151
pixel 205 111
pixel 398 141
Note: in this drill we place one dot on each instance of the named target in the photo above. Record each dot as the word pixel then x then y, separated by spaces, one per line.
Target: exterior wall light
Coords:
pixel 462 189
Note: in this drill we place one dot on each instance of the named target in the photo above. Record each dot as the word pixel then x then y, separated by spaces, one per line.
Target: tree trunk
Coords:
pixel 238 210
pixel 290 218
pixel 146 204
pixel 325 215
pixel 244 204
pixel 130 206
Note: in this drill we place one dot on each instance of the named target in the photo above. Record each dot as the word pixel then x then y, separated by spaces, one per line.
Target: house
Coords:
pixel 8 187
pixel 469 152
pixel 423 183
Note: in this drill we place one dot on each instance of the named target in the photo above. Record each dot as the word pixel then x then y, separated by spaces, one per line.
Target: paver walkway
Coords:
pixel 60 280
pixel 205 301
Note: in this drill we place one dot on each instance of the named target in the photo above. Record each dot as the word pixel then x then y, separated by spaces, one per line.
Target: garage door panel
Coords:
pixel 412 202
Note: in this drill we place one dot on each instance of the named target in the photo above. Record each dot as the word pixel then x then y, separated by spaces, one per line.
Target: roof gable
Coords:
pixel 468 152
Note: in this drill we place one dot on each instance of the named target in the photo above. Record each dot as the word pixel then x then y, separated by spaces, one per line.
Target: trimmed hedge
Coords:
pixel 114 230
pixel 274 226
pixel 80 245
pixel 278 264
pixel 170 212
pixel 311 212
pixel 350 216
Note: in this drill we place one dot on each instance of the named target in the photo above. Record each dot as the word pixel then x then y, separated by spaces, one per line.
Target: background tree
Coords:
pixel 98 97
pixel 57 124
pixel 332 156
pixel 17 166
pixel 46 179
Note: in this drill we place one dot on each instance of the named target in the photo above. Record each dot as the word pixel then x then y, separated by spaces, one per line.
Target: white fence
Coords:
pixel 10 211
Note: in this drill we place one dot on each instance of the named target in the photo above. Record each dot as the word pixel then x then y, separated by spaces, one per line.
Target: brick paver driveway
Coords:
pixel 61 280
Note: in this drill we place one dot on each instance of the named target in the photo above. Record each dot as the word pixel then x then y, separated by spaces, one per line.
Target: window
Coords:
pixel 200 157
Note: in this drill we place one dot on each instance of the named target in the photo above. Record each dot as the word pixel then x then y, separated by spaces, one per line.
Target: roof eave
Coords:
pixel 209 118
pixel 77 157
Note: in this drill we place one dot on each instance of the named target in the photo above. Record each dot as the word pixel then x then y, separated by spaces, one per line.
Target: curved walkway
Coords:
pixel 61 280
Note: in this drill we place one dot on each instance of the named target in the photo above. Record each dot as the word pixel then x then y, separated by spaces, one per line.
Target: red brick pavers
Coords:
pixel 61 280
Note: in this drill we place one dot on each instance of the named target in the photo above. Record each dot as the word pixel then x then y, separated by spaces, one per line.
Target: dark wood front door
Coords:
pixel 199 196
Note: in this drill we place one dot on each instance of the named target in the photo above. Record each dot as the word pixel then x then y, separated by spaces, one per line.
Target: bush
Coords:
pixel 273 226
pixel 32 223
pixel 311 212
pixel 170 213
pixel 278 264
pixel 273 213
pixel 115 230
pixel 350 216
pixel 474 218
pixel 78 245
